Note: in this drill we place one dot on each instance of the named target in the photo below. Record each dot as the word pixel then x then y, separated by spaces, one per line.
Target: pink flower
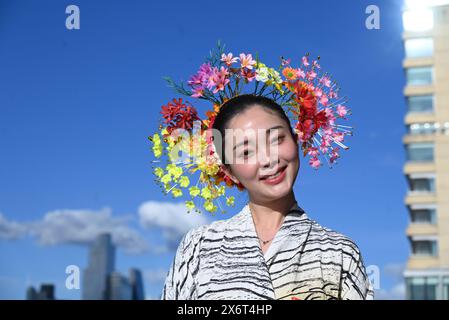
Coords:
pixel 200 80
pixel 329 131
pixel 311 75
pixel 228 59
pixel 300 73
pixel 218 79
pixel 339 136
pixel 332 94
pixel 305 61
pixel 325 81
pixel 341 110
pixel 324 100
pixel 285 62
pixel 313 152
pixel 334 155
pixel 323 148
pixel 316 65
pixel 247 61
pixel 197 92
pixel 330 116
pixel 315 162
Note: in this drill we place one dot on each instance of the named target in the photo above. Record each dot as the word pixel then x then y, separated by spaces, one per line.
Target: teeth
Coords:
pixel 274 175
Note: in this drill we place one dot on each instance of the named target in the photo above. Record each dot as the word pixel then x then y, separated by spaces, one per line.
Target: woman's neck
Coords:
pixel 270 215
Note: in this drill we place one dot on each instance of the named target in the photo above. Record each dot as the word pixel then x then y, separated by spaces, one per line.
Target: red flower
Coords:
pixel 179 115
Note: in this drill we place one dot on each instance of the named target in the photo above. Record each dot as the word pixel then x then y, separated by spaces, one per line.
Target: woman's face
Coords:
pixel 256 153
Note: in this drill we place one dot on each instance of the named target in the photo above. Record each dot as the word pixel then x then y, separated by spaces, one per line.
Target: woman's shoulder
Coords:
pixel 213 229
pixel 331 238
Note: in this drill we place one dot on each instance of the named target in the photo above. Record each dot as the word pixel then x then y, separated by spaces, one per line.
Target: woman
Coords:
pixel 270 249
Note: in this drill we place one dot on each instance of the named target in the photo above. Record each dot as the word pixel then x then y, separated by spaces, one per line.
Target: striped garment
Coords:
pixel 224 260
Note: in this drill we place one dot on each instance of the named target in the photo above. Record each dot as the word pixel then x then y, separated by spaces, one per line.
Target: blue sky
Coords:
pixel 77 106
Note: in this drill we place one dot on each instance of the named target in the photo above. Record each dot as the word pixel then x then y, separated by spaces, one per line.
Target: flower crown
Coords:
pixel 308 96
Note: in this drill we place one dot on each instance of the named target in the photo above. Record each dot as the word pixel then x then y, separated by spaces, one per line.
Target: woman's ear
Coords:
pixel 295 137
pixel 227 171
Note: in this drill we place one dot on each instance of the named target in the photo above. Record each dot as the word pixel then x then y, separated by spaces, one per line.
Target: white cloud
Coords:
pixel 171 218
pixel 82 226
pixel 10 230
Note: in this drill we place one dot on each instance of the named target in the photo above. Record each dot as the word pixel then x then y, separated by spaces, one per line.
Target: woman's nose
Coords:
pixel 267 157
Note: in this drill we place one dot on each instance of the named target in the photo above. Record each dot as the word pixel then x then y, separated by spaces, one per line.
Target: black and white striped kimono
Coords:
pixel 224 260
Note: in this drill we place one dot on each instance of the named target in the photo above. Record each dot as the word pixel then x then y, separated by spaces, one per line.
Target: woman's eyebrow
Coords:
pixel 266 131
pixel 275 127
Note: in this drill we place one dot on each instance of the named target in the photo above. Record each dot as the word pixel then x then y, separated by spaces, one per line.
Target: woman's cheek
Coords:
pixel 290 151
pixel 245 172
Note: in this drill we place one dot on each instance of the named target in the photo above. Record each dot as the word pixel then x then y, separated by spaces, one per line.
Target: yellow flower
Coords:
pixel 194 191
pixel 176 192
pixel 221 190
pixel 155 138
pixel 174 170
pixel 205 193
pixel 230 201
pixel 209 206
pixel 184 181
pixel 279 88
pixel 166 178
pixel 157 147
pixel 212 169
pixel 276 76
pixel 189 204
pixel 158 172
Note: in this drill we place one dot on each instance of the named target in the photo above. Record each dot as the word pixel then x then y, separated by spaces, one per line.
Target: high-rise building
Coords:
pixel 102 282
pixel 136 281
pixel 46 292
pixel 100 266
pixel 426 66
pixel 119 287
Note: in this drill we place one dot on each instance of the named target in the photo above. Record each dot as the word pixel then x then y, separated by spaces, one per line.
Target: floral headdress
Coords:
pixel 309 97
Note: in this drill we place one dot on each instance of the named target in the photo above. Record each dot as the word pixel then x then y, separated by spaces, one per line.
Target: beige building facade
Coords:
pixel 426 67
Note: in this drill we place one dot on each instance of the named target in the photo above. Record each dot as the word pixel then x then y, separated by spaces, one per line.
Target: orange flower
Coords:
pixel 289 73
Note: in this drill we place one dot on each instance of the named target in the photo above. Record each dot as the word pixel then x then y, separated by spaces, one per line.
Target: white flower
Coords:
pixel 262 74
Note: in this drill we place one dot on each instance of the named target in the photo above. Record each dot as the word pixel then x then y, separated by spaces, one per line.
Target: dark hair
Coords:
pixel 239 104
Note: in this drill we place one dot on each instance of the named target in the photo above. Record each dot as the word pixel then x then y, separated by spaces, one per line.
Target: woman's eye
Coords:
pixel 278 139
pixel 246 153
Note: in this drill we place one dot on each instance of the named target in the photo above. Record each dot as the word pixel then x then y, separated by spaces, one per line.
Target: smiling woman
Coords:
pixel 271 249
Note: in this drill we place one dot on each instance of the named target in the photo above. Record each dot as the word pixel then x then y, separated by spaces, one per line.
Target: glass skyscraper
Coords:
pixel 100 266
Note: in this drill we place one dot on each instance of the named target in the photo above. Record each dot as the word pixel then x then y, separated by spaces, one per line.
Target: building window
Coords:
pixel 424 247
pixel 418 19
pixel 419 76
pixel 422 184
pixel 423 128
pixel 422 288
pixel 420 151
pixel 446 288
pixel 418 47
pixel 420 103
pixel 423 216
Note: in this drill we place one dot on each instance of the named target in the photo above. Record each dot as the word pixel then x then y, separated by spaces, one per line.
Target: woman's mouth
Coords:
pixel 275 178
